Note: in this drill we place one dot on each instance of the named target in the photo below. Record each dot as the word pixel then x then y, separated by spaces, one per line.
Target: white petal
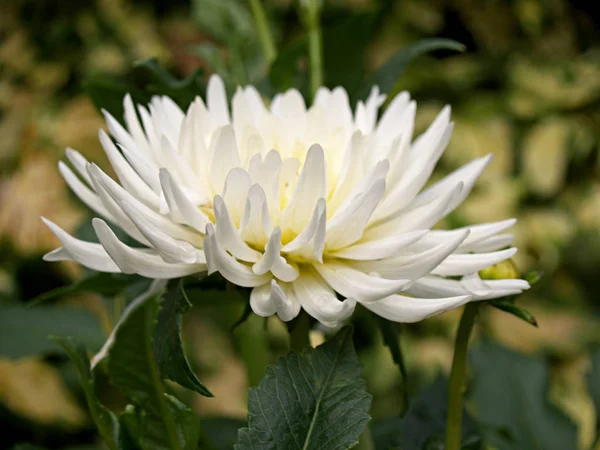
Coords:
pixel 127 176
pixel 417 173
pixel 135 128
pixel 462 264
pixel 85 194
pixel 179 168
pixel 468 174
pixel 180 204
pixel 415 218
pixel 434 286
pixel 224 158
pixel 80 164
pixel 310 188
pixel 231 269
pixel 145 167
pixel 229 236
pixel 320 301
pixel 273 261
pixel 366 113
pixel 235 192
pixel 260 297
pixel 267 176
pixel 118 132
pixel 113 207
pixel 352 283
pixel 310 242
pixel 348 225
pixel 118 194
pixel 478 233
pixel 351 171
pixel 378 172
pixel 411 266
pixel 274 298
pixel 380 248
pixel 216 99
pixel 256 223
pixel 132 260
pixel 88 254
pixel 171 250
pixel 399 308
pixel 490 244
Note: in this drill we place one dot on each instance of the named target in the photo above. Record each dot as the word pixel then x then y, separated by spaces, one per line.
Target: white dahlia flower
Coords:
pixel 315 208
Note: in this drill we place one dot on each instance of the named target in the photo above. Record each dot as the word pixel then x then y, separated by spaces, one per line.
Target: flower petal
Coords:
pixel 128 177
pixel 273 261
pixel 310 188
pixel 85 194
pixel 348 225
pixel 224 158
pixel 88 254
pixel 399 308
pixel 352 283
pixel 272 298
pixel 310 242
pixel 229 236
pixel 131 260
pixel 256 223
pixel 171 250
pixel 462 264
pixel 434 286
pixel 320 301
pixel 411 266
pixel 216 99
pixel 380 248
pixel 118 194
pixel 180 205
pixel 231 269
pixel 468 174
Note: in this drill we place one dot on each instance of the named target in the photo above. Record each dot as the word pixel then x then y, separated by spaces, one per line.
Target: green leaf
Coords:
pixel 509 391
pixel 220 433
pixel 314 400
pixel 108 284
pixel 168 347
pixel 163 83
pixel 109 95
pixel 387 76
pixel 25 331
pixel 424 424
pixel 391 335
pixel 162 422
pixel 105 420
pixel 515 310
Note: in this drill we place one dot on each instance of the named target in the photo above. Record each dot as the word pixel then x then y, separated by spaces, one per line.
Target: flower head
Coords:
pixel 316 208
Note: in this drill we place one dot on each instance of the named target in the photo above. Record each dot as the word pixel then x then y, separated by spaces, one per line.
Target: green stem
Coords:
pixel 264 32
pixel 299 334
pixel 315 51
pixel 457 377
pixel 365 441
pixel 251 341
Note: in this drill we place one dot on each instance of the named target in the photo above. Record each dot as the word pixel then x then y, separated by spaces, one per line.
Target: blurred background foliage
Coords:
pixel 527 89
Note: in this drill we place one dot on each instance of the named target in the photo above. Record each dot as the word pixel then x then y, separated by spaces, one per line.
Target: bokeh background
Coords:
pixel 527 89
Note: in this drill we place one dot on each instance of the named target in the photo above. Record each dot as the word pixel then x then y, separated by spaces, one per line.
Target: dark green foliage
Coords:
pixel 167 344
pixel 314 400
pixel 25 331
pixel 509 392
